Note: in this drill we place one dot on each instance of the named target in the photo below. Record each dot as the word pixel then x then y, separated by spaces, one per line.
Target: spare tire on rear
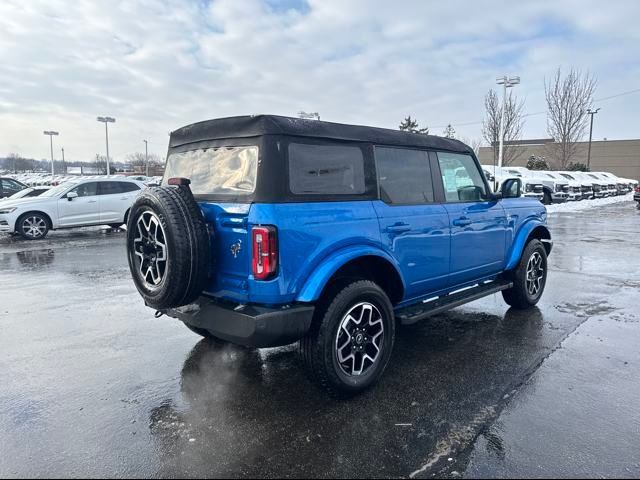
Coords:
pixel 168 247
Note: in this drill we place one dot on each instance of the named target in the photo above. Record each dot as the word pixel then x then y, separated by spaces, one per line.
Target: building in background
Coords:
pixel 620 157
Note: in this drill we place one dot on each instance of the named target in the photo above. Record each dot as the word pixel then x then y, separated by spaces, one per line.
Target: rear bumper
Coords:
pixel 248 325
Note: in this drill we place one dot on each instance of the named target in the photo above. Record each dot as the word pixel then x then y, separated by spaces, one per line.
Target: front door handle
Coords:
pixel 399 227
pixel 462 222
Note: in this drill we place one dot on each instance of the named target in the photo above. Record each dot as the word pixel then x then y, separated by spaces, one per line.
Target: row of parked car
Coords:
pixel 559 186
pixel 46 179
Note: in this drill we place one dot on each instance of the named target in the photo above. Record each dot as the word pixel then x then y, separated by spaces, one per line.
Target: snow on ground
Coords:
pixel 586 204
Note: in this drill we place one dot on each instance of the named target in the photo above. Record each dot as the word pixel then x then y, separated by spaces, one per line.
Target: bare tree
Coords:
pixel 138 159
pixel 513 125
pixel 474 143
pixel 568 99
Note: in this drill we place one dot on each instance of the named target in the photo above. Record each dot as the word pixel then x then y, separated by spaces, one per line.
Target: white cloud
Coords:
pixel 156 66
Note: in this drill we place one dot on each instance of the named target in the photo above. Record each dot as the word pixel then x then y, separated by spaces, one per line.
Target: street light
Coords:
pixel 64 167
pixel 592 113
pixel 146 157
pixel 51 134
pixel 106 121
pixel 507 82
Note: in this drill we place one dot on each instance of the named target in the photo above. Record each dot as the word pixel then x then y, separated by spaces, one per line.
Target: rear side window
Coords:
pixel 326 169
pixel 404 176
pixel 112 188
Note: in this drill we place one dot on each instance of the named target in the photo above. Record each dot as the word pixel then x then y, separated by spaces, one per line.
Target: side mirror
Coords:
pixel 71 195
pixel 511 188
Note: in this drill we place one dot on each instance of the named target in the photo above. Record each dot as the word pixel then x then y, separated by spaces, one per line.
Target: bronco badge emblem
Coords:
pixel 235 248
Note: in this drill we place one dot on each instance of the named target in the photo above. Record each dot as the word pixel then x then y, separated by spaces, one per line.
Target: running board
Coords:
pixel 415 313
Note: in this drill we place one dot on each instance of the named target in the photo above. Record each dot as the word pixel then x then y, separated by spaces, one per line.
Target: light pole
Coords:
pixel 146 157
pixel 507 82
pixel 107 121
pixel 51 134
pixel 592 113
pixel 64 168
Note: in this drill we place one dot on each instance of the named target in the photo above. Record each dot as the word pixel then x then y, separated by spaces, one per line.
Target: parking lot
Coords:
pixel 94 385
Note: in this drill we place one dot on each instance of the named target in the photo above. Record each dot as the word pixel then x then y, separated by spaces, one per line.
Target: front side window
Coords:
pixel 216 171
pixel 461 177
pixel 404 176
pixel 86 189
pixel 326 169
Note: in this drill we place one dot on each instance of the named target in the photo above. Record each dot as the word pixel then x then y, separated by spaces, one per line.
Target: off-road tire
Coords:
pixel 519 296
pixel 317 348
pixel 188 250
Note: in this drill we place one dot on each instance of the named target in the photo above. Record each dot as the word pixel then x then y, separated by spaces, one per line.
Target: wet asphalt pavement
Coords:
pixel 91 384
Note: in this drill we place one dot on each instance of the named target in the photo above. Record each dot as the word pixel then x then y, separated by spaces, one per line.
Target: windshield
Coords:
pixel 54 192
pixel 593 176
pixel 567 176
pixel 216 171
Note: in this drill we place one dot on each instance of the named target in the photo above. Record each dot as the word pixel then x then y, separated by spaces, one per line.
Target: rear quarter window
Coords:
pixel 326 169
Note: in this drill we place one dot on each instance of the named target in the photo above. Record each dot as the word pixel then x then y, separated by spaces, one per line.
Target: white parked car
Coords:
pixel 77 203
pixel 530 187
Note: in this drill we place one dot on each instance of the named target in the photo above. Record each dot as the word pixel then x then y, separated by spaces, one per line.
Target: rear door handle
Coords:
pixel 399 227
pixel 462 222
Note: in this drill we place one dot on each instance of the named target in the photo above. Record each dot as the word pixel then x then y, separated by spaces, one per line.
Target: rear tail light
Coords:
pixel 265 252
pixel 637 189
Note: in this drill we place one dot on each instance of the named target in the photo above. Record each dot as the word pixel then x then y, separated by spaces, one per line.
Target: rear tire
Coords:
pixel 529 277
pixel 351 338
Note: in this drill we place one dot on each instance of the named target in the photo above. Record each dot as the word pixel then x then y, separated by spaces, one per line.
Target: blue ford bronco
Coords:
pixel 269 230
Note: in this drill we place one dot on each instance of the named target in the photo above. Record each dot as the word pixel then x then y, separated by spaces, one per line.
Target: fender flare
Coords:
pixel 520 241
pixel 315 283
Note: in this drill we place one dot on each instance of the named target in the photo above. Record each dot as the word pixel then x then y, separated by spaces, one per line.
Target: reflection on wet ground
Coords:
pixel 94 385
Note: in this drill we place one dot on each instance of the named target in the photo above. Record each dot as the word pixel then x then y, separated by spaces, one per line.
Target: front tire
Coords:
pixel 33 226
pixel 351 338
pixel 529 278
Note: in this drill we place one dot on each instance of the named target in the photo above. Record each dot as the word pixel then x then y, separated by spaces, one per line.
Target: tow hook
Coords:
pixel 158 313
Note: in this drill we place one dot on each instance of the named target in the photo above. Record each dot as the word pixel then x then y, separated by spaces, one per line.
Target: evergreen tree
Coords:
pixel 449 132
pixel 411 125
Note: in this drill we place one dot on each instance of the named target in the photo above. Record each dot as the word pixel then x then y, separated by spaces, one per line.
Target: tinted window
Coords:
pixel 461 177
pixel 86 189
pixel 404 175
pixel 34 193
pixel 325 169
pixel 11 186
pixel 112 188
pixel 216 171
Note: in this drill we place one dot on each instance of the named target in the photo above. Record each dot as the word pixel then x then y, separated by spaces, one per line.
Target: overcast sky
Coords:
pixel 158 65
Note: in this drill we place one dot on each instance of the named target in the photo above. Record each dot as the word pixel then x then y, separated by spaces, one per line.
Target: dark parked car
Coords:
pixel 9 186
pixel 268 230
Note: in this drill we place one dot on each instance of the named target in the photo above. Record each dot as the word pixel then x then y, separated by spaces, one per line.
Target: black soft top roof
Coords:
pixel 257 125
